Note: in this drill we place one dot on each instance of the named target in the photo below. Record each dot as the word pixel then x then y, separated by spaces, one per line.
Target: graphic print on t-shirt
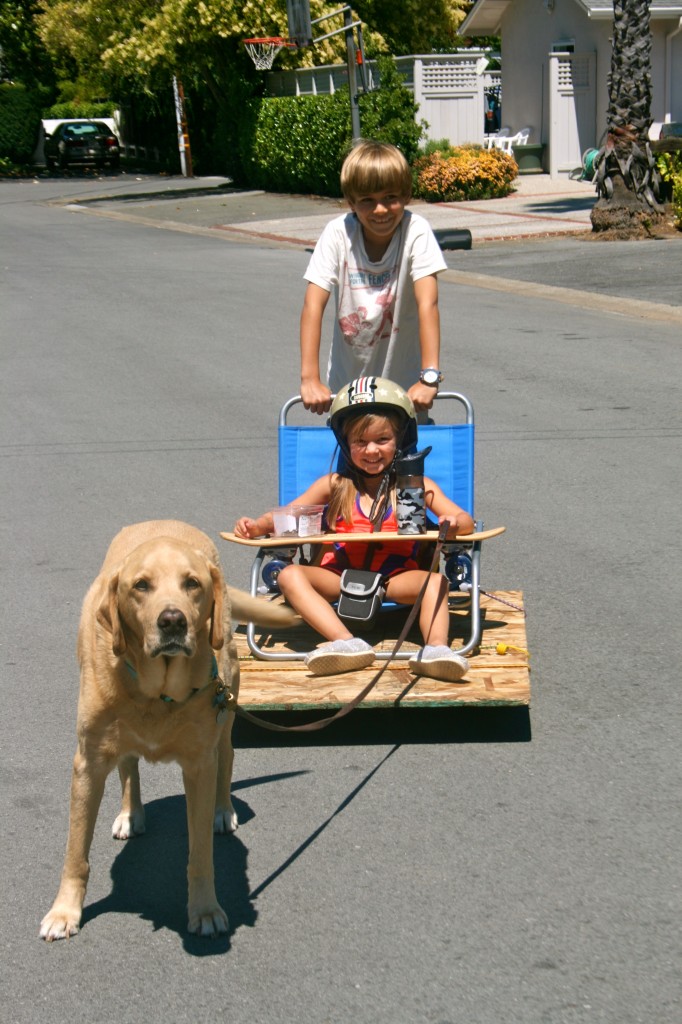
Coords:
pixel 363 326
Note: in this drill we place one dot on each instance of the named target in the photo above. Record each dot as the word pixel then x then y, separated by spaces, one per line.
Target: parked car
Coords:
pixel 81 142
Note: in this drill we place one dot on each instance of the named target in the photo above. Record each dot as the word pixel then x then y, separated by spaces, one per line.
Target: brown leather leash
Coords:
pixel 322 723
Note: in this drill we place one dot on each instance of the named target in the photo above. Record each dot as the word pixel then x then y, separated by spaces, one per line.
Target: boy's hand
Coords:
pixel 316 396
pixel 422 395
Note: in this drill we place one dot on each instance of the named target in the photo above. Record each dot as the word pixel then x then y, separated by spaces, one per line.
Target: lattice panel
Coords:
pixel 459 77
pixel 573 73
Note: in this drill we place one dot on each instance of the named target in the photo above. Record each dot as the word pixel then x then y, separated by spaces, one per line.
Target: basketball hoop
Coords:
pixel 263 51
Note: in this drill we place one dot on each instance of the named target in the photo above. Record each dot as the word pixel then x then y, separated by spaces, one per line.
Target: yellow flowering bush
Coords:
pixel 464 172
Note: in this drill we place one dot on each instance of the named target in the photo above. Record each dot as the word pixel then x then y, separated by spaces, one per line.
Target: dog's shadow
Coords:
pixel 149 875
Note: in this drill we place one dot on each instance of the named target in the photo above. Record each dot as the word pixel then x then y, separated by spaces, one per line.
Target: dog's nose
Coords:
pixel 171 620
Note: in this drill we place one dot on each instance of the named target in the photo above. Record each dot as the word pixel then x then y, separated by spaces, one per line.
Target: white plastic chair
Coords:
pixel 520 139
pixel 498 139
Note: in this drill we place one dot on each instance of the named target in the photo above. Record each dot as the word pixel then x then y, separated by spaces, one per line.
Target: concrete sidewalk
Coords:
pixel 538 206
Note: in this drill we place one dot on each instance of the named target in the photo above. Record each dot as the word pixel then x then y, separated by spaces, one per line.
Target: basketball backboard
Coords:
pixel 298 18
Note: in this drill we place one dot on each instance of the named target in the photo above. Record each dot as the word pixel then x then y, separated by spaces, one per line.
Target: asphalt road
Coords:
pixel 407 868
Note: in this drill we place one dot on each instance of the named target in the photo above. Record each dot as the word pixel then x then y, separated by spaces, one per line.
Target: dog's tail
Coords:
pixel 246 608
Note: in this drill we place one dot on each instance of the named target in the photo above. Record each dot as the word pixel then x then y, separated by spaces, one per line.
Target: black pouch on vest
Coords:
pixel 361 594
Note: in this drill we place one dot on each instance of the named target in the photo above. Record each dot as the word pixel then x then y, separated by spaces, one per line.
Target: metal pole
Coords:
pixel 352 82
pixel 183 135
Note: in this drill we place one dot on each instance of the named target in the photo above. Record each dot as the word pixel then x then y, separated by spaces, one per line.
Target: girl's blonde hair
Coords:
pixel 345 488
pixel 375 167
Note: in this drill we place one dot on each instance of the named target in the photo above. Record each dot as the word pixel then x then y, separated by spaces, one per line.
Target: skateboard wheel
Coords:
pixel 458 570
pixel 270 573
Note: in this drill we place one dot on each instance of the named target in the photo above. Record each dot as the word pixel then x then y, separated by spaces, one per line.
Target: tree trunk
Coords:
pixel 628 182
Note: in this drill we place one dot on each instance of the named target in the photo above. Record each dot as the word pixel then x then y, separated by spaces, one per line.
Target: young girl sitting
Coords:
pixel 372 419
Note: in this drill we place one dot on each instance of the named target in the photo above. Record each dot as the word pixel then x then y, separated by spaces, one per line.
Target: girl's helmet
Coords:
pixel 373 395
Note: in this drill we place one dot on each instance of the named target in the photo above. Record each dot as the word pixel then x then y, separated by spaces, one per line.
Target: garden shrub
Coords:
pixel 298 143
pixel 670 168
pixel 431 146
pixel 677 199
pixel 464 173
pixel 86 111
pixel 389 113
pixel 19 123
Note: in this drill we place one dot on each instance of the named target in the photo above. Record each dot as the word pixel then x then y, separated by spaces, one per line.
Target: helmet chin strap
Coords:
pixel 380 503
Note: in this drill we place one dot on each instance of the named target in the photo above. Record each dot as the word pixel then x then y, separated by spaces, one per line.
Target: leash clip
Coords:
pixel 222 700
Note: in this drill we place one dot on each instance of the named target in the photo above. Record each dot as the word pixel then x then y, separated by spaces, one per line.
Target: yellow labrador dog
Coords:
pixel 155 647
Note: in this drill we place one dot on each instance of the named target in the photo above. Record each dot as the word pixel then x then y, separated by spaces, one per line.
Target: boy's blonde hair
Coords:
pixel 375 167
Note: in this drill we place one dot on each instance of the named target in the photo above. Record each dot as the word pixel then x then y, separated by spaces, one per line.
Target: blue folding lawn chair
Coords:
pixel 308 452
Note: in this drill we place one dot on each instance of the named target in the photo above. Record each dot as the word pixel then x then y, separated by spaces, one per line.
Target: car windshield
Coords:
pixel 83 129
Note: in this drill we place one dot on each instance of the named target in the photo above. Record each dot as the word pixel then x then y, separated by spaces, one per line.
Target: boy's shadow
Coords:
pixel 149 874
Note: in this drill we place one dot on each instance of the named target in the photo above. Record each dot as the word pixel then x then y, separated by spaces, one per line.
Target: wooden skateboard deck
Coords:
pixel 355 538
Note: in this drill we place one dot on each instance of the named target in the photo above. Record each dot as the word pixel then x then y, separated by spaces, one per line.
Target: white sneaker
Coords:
pixel 439 663
pixel 340 656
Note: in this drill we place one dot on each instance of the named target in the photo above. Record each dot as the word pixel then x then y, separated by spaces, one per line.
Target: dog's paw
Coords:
pixel 225 821
pixel 59 924
pixel 208 922
pixel 128 825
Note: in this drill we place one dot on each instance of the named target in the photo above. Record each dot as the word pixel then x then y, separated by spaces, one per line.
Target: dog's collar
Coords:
pixel 132 671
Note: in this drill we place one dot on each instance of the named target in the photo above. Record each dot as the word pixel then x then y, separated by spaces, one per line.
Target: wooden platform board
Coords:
pixel 493 679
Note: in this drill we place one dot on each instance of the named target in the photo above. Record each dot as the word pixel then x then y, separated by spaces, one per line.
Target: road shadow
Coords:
pixel 149 873
pixel 569 204
pixel 389 726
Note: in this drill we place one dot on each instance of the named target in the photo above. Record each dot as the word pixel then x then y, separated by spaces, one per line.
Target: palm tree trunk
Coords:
pixel 628 182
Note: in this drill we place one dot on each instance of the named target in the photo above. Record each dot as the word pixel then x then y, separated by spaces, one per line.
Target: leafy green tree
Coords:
pixel 413 26
pixel 133 49
pixel 23 57
pixel 628 183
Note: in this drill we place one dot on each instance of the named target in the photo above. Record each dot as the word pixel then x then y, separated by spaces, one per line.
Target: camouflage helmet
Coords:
pixel 373 395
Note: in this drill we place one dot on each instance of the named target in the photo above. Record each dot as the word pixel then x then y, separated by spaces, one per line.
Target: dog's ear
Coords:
pixel 108 617
pixel 217 633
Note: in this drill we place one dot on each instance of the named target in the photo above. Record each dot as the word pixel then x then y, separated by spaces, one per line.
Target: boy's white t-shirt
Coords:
pixel 376 329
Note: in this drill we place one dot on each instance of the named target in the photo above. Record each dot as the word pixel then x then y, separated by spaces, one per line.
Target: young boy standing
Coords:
pixel 381 262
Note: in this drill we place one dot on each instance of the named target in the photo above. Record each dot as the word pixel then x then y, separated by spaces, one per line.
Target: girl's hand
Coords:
pixel 245 528
pixel 460 524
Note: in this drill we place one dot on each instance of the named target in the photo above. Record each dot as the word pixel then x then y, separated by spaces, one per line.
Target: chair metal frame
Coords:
pixel 461 491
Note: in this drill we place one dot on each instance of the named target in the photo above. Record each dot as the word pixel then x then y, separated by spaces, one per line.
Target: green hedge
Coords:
pixel 86 111
pixel 297 144
pixel 19 123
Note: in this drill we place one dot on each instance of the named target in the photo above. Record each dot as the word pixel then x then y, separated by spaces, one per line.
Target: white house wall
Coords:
pixel 529 31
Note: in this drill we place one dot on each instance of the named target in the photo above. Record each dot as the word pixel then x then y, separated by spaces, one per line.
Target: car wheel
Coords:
pixel 115 163
pixel 63 161
pixel 49 163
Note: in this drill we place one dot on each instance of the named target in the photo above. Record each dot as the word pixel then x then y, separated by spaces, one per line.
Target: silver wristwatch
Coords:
pixel 431 376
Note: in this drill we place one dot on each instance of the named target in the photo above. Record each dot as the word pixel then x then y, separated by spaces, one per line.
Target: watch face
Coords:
pixel 430 376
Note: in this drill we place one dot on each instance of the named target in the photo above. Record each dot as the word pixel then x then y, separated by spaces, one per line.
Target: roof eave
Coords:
pixel 484 18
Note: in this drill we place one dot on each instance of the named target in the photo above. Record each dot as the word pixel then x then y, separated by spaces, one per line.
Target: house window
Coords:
pixel 564 46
